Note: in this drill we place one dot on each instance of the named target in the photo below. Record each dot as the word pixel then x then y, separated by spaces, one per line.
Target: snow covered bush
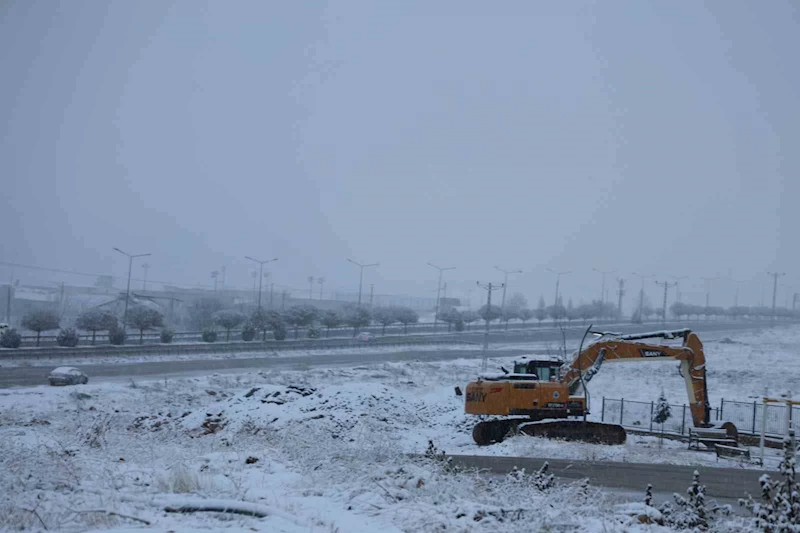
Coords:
pixel 690 512
pixel 779 511
pixel 11 339
pixel 314 333
pixel 209 335
pixel 166 335
pixel 68 337
pixel 279 331
pixel 248 332
pixel 116 335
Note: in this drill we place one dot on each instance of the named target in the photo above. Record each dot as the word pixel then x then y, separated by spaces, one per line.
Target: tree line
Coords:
pixel 208 315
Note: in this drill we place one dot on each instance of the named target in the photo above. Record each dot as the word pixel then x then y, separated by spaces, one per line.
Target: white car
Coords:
pixel 67 375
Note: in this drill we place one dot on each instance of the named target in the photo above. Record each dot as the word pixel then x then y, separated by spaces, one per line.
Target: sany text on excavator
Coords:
pixel 538 390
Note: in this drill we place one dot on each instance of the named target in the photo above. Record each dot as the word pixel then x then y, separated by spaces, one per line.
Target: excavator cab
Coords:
pixel 543 369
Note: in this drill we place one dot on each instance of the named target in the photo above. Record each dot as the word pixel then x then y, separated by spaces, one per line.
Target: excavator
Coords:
pixel 537 391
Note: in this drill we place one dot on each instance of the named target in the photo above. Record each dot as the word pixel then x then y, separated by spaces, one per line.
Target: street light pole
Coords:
pixel 131 257
pixel 505 283
pixel 361 277
pixel 775 276
pixel 678 286
pixel 260 276
pixel 438 291
pixel 558 280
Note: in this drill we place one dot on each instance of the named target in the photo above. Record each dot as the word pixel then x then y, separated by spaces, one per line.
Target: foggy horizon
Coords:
pixel 658 139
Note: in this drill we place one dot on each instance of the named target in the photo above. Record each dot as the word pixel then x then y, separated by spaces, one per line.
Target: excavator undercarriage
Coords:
pixel 532 398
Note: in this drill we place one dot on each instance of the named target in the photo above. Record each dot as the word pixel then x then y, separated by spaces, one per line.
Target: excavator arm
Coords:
pixel 613 347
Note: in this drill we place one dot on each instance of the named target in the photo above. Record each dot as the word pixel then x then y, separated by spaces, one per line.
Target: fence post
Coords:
pixel 603 412
pixel 721 407
pixel 621 409
pixel 651 416
pixel 683 419
pixel 754 418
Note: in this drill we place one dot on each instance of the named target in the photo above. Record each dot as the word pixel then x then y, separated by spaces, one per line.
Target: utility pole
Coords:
pixel 271 294
pixel 215 275
pixel 222 285
pixel 794 302
pixel 131 257
pixel 260 276
pixel 145 267
pixel 708 290
pixel 603 286
pixel 641 293
pixel 505 283
pixel 283 300
pixel 775 276
pixel 678 286
pixel 321 282
pixel 371 293
pixel 620 292
pixel 310 287
pixel 9 296
pixel 666 286
pixel 361 276
pixel 489 288
pixel 255 276
pixel 438 290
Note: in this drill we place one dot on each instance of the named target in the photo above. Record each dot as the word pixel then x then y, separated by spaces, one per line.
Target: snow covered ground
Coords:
pixel 323 449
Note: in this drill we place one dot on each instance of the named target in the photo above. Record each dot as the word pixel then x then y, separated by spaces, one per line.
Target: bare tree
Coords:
pixel 40 321
pixel 229 319
pixel 144 318
pixel 95 320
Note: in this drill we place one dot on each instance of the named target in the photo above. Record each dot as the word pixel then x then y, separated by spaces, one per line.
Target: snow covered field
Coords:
pixel 324 449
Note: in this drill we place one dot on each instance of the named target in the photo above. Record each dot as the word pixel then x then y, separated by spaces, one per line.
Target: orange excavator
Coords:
pixel 538 390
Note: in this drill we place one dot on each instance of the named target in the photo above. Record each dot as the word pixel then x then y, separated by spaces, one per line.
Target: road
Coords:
pixel 29 376
pixel 723 484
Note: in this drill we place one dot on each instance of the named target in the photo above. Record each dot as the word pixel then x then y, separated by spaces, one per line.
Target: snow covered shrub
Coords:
pixel 314 333
pixel 248 332
pixel 662 414
pixel 279 332
pixel 179 480
pixel 116 335
pixel 68 337
pixel 690 512
pixel 540 479
pixel 779 511
pixel 10 339
pixel 166 335
pixel 209 335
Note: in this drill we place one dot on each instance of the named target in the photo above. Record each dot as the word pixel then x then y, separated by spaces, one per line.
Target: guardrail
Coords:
pixel 216 347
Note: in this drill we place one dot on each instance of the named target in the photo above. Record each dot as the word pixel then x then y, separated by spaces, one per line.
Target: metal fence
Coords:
pixel 749 416
pixel 639 415
pixel 746 416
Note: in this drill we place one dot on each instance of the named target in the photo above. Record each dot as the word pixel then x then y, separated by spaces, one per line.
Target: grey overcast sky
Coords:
pixel 655 137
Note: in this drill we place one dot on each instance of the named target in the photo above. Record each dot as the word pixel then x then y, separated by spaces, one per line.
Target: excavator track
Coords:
pixel 494 431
